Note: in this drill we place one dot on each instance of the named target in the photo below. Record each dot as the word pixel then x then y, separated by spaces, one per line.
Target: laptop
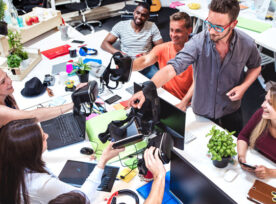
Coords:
pixel 76 172
pixel 190 186
pixel 64 130
pixel 57 68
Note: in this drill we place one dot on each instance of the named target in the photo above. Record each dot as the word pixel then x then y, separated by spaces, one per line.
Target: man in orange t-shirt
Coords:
pixel 181 85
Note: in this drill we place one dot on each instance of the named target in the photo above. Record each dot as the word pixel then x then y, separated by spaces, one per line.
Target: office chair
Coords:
pixel 83 22
pixel 26 6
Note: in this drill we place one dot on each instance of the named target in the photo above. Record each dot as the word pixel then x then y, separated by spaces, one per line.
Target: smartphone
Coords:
pixel 113 99
pixel 78 41
pixel 248 166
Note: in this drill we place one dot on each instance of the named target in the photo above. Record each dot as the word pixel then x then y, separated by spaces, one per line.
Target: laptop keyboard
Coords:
pixel 68 128
pixel 64 130
pixel 108 178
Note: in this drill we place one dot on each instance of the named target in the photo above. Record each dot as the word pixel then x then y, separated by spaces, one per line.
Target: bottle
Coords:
pixel 13 13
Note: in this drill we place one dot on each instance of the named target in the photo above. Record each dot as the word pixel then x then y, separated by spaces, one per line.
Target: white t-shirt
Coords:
pixel 43 187
pixel 133 43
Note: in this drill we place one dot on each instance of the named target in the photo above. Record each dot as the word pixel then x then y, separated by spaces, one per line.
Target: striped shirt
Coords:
pixel 133 43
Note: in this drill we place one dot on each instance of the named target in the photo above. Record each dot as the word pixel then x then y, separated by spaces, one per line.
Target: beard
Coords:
pixel 139 24
pixel 217 38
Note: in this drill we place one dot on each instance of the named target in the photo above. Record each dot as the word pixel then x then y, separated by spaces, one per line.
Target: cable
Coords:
pixel 132 166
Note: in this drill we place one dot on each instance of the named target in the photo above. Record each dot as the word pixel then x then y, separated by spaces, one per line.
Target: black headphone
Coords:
pixel 112 199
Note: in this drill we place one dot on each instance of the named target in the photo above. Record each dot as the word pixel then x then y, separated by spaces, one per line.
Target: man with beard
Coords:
pixel 181 85
pixel 219 55
pixel 136 36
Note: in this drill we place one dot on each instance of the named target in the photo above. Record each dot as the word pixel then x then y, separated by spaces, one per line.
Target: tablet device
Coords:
pixel 133 136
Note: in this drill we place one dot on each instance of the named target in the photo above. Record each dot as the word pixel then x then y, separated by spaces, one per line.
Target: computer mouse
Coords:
pixel 87 150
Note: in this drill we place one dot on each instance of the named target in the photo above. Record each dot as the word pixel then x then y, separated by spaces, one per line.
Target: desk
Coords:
pixel 50 40
pixel 194 152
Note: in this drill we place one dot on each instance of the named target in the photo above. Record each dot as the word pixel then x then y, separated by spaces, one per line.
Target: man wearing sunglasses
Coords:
pixel 219 55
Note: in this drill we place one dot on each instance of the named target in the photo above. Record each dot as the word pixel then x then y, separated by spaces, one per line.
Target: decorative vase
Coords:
pixel 223 163
pixel 3 28
pixel 83 77
pixel 24 64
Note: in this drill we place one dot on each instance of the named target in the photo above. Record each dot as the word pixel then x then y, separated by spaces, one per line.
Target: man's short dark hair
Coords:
pixel 231 7
pixel 182 16
pixel 144 5
pixel 76 197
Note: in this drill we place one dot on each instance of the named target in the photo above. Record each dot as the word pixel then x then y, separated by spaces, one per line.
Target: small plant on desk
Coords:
pixel 221 146
pixel 82 70
pixel 3 24
pixel 16 50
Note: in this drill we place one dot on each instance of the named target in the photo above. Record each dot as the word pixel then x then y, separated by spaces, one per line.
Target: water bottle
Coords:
pixel 13 13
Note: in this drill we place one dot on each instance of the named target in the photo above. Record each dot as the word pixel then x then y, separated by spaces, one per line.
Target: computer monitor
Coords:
pixel 173 119
pixel 190 186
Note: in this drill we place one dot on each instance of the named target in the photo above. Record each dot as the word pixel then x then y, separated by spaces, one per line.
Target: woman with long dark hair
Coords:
pixel 24 177
pixel 260 133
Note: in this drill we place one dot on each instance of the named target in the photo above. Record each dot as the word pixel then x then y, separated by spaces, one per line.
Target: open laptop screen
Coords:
pixel 190 186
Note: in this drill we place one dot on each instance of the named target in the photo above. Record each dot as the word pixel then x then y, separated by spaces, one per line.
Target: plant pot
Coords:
pixel 16 71
pixel 3 28
pixel 24 64
pixel 83 77
pixel 223 163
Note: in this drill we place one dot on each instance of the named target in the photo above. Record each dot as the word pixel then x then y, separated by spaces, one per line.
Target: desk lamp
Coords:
pixel 86 94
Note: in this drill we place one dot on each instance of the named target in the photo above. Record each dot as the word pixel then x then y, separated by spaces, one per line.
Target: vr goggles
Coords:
pixel 84 51
pixel 86 94
pixel 120 74
pixel 139 122
pixel 165 147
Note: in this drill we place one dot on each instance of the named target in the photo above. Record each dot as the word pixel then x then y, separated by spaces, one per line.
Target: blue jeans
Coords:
pixel 149 71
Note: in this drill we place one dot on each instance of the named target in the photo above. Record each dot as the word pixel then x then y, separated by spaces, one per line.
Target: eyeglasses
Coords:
pixel 219 29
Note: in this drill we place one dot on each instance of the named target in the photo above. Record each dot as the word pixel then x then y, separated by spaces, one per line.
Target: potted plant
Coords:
pixel 14 62
pixel 16 49
pixel 221 146
pixel 82 70
pixel 3 24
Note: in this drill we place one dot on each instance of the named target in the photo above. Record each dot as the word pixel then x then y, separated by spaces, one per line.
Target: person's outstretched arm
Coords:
pixel 159 79
pixel 144 61
pixel 155 166
pixel 41 114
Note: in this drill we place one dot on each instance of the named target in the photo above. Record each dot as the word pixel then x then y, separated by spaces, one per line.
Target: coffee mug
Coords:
pixel 72 52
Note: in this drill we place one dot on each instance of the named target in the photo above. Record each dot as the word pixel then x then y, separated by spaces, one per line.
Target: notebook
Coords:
pixel 64 130
pixel 75 173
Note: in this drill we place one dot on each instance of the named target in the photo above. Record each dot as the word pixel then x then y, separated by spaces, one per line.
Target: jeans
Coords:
pixel 231 122
pixel 149 71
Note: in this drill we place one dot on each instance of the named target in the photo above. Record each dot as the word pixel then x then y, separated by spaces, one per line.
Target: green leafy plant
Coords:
pixel 2 10
pixel 82 68
pixel 14 42
pixel 22 54
pixel 14 61
pixel 221 144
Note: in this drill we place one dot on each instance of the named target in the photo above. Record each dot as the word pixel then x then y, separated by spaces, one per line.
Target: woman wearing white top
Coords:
pixel 24 177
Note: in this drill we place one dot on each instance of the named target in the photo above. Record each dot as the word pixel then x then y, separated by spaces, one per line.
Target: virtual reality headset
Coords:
pixel 120 74
pixel 165 147
pixel 86 94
